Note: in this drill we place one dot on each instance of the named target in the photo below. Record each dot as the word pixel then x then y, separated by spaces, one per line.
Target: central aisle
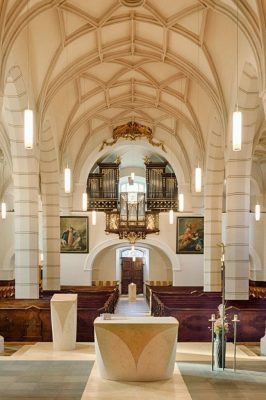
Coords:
pixel 138 308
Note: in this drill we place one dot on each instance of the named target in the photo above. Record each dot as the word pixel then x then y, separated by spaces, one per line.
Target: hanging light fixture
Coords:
pixel 3 210
pixel 28 113
pixel 84 201
pixel 181 202
pixel 67 179
pixel 257 212
pixel 237 130
pixel 171 211
pixel 198 179
pixel 3 204
pixel 171 216
pixel 93 217
pixel 28 129
pixel 237 115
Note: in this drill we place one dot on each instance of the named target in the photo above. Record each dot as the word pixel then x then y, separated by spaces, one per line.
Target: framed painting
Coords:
pixel 74 235
pixel 190 235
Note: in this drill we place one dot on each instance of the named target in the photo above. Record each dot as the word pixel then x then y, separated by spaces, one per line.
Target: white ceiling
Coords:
pixel 170 65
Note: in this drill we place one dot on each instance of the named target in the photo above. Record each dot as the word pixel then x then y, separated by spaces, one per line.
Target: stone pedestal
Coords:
pixel 263 345
pixel 136 348
pixel 64 321
pixel 132 292
pixel 2 344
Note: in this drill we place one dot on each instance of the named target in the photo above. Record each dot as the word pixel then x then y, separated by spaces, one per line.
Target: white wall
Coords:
pixel 72 270
pixel 160 268
pixel 188 268
pixel 191 270
pixel 104 266
pixel 7 247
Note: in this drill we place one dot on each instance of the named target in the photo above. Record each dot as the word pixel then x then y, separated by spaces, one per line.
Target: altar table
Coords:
pixel 136 348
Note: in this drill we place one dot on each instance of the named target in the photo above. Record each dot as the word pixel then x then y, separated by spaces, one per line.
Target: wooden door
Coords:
pixel 131 272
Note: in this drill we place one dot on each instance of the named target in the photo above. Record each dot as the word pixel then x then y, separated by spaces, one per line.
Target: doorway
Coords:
pixel 131 272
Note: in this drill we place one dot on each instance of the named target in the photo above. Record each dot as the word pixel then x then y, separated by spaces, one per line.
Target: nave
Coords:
pixel 36 371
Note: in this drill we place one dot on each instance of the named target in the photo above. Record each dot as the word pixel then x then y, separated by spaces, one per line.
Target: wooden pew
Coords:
pixel 30 320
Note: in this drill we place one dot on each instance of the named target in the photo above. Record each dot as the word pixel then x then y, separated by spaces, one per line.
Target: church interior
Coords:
pixel 133 184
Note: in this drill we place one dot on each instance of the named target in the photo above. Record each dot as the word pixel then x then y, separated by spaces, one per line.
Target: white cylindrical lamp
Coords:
pixel 181 202
pixel 257 212
pixel 67 180
pixel 198 180
pixel 171 217
pixel 3 210
pixel 237 130
pixel 84 201
pixel 93 217
pixel 28 129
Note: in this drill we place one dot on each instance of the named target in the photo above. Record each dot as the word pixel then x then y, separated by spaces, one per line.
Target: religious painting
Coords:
pixel 74 235
pixel 190 235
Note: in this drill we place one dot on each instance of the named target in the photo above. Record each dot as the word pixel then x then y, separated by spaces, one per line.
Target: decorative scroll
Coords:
pixel 132 131
pixel 132 236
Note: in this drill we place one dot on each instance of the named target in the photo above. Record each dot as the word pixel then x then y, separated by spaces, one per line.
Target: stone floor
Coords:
pixel 28 379
pixel 193 377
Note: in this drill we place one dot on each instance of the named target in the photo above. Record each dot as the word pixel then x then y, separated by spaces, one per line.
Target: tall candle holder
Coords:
pixel 235 320
pixel 212 320
pixel 223 301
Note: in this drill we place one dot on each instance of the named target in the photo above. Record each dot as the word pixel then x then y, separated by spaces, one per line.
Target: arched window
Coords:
pixel 139 185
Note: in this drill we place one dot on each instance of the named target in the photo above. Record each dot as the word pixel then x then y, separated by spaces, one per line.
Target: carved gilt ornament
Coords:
pixel 132 131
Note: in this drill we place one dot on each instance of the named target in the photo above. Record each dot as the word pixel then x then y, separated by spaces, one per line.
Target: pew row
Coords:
pixel 194 309
pixel 30 320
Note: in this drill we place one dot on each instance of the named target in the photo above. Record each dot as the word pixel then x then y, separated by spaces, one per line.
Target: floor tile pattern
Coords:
pixel 43 379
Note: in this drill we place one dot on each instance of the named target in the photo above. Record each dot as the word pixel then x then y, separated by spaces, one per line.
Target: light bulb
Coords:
pixel 28 129
pixel 3 210
pixel 67 175
pixel 257 212
pixel 132 175
pixel 93 217
pixel 84 201
pixel 198 180
pixel 181 202
pixel 237 130
pixel 134 258
pixel 171 217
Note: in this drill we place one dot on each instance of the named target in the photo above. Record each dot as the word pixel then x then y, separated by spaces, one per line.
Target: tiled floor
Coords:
pixel 29 379
pixel 193 378
pixel 132 308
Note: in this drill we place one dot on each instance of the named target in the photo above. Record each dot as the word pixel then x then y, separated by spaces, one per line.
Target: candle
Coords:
pixel 213 317
pixel 222 258
pixel 235 317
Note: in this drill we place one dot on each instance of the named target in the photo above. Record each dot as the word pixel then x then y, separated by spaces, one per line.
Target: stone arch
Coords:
pixel 174 258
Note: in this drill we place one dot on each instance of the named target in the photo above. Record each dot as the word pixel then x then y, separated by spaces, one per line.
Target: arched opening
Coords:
pixel 106 268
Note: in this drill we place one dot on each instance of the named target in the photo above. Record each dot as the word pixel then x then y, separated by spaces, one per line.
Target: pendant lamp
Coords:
pixel 67 180
pixel 198 180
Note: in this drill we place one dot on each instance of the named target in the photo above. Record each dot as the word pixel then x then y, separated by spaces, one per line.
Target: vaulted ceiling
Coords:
pixel 171 65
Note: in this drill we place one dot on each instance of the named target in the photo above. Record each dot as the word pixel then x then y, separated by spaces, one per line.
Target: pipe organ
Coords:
pixel 162 188
pixel 132 215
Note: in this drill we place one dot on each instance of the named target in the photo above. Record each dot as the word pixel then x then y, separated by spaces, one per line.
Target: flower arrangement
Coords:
pixel 218 326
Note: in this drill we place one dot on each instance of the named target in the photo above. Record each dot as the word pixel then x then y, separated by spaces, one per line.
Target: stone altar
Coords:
pixel 136 348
